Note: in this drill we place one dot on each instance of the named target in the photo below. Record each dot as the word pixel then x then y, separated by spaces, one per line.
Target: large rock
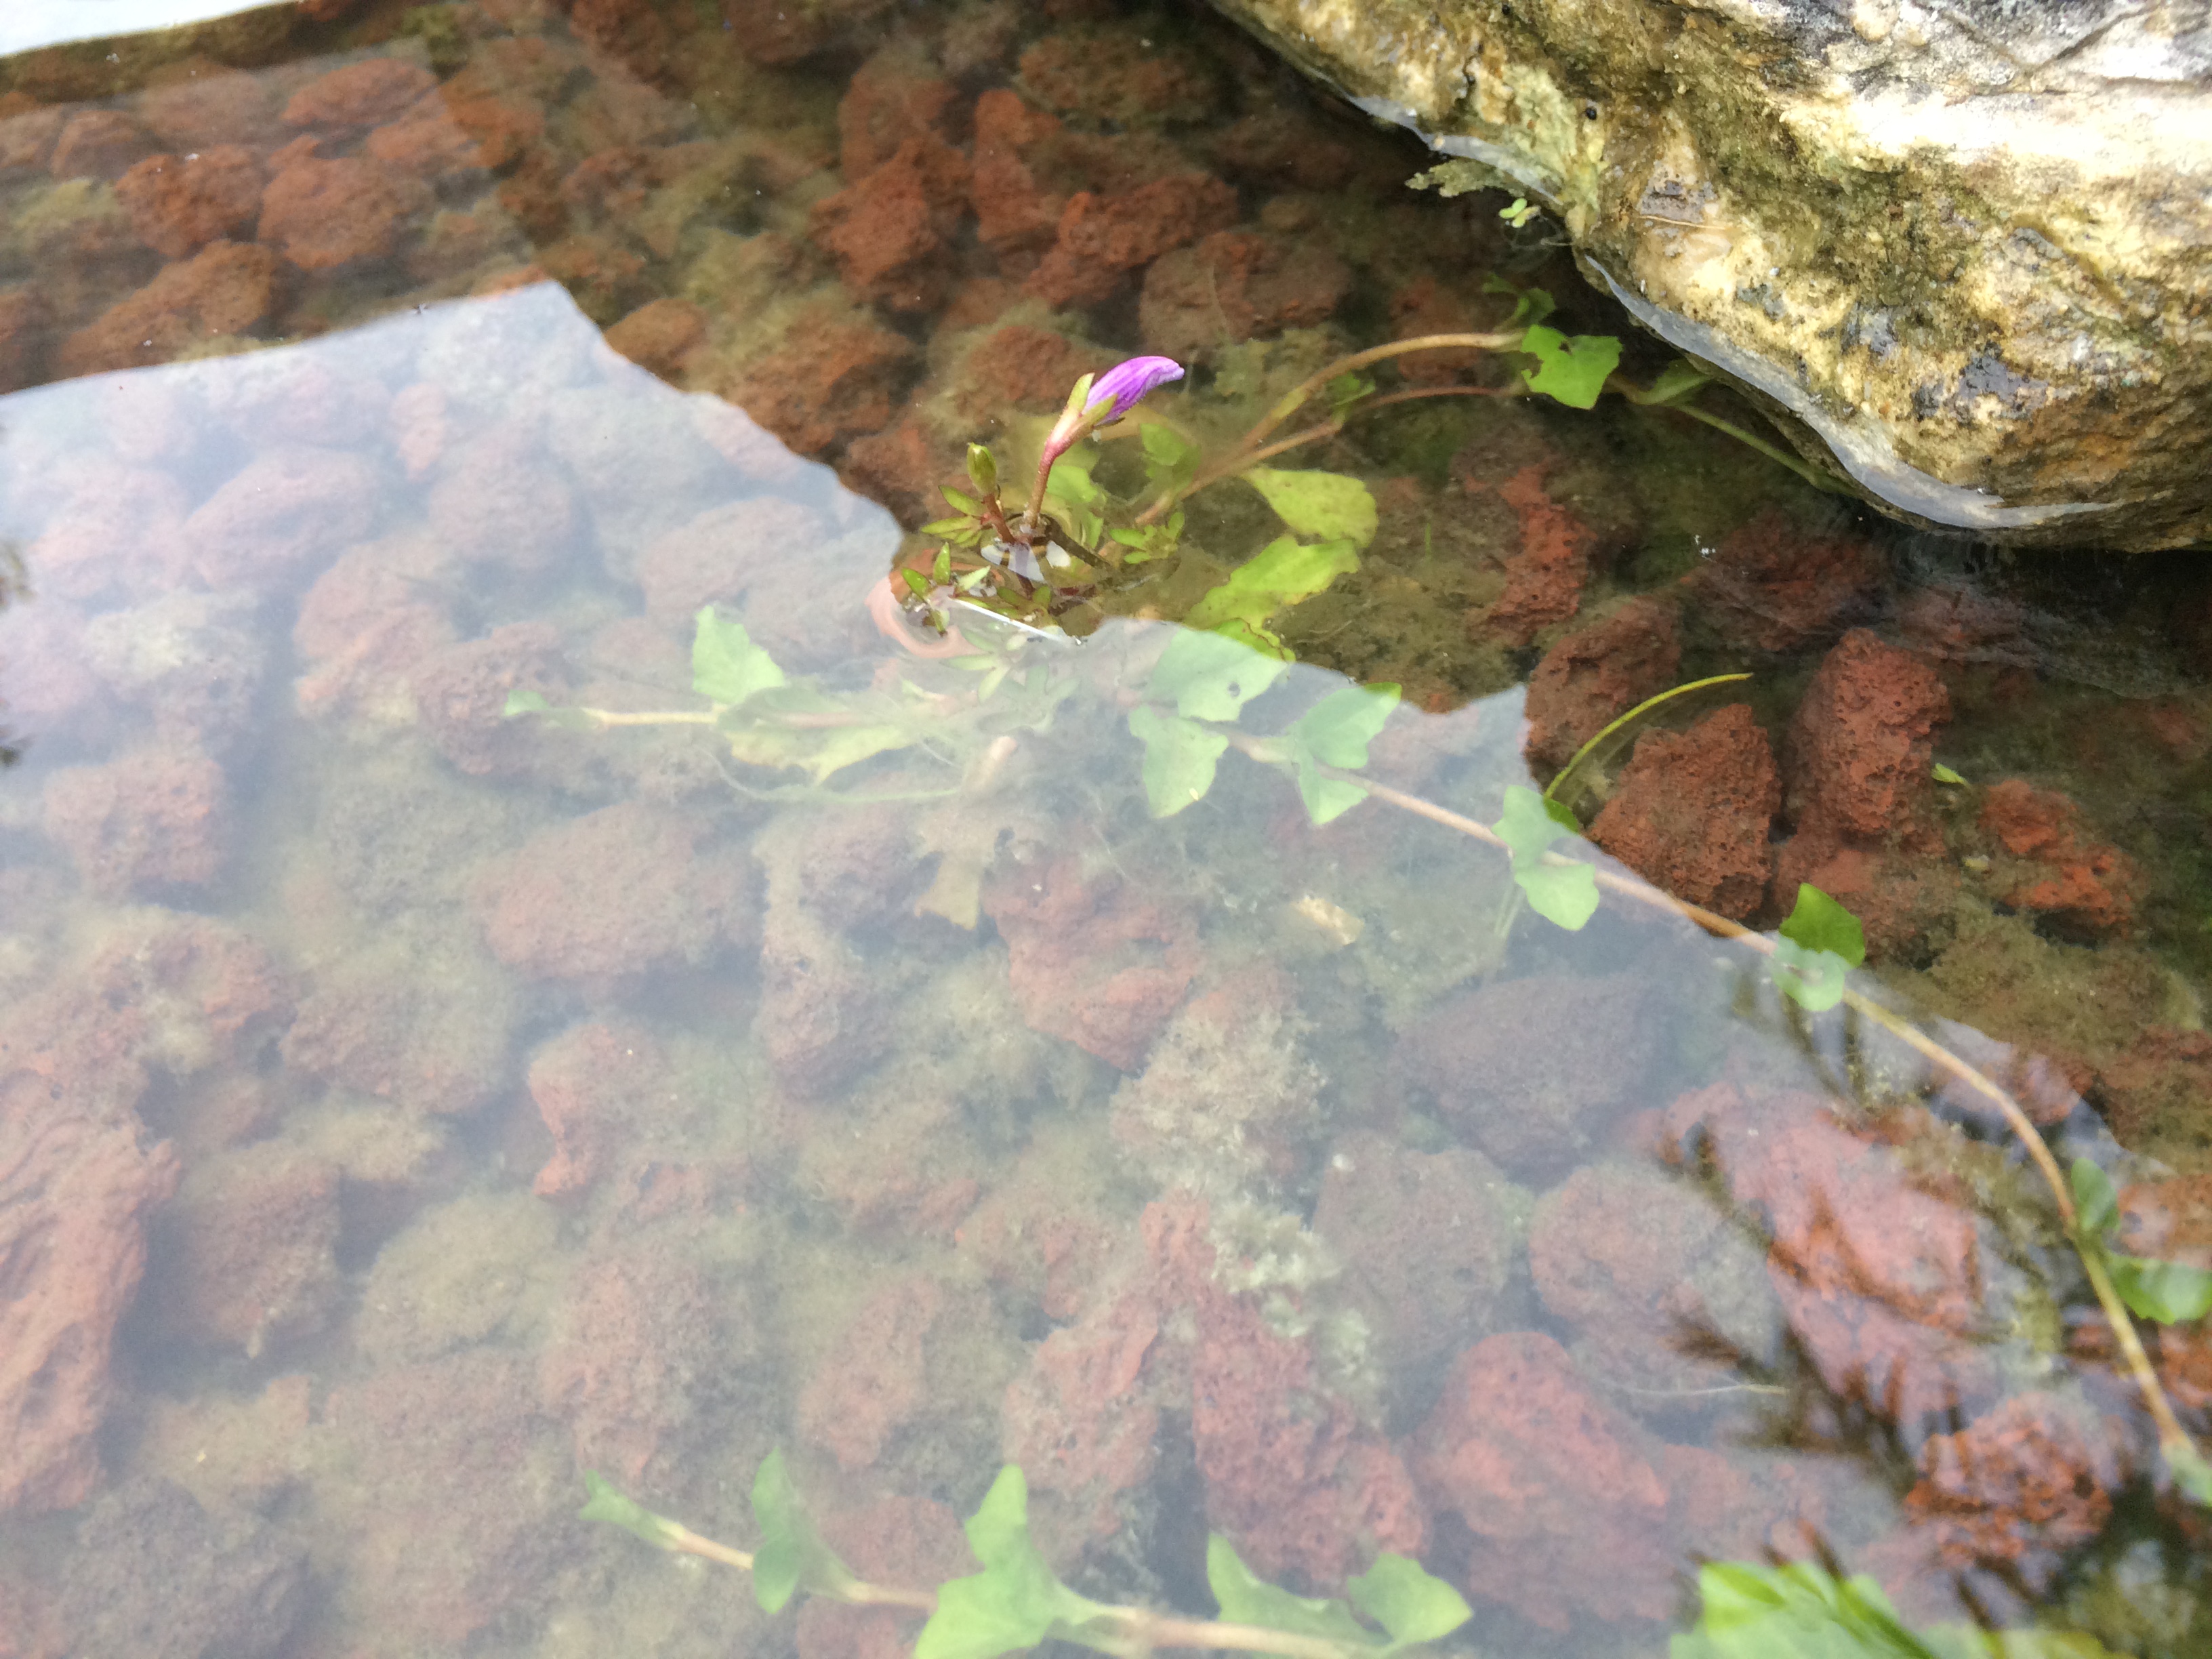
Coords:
pixel 1967 244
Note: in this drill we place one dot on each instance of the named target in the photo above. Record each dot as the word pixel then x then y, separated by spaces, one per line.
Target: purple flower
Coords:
pixel 1126 384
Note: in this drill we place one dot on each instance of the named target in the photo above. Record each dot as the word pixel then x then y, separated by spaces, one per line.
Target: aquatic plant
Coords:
pixel 1016 1601
pixel 1800 1610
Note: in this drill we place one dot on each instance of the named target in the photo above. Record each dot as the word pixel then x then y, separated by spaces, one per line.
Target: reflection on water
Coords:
pixel 405 1106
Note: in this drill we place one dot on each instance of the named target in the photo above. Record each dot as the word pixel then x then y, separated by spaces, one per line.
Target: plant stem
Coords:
pixel 1552 789
pixel 606 717
pixel 1804 468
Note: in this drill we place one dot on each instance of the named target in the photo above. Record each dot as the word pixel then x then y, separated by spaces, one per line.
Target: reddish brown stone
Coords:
pixel 27 137
pixel 1014 215
pixel 715 558
pixel 362 95
pixel 902 468
pixel 325 214
pixel 2053 865
pixel 1236 285
pixel 1775 587
pixel 660 335
pixel 504 501
pixel 143 822
pixel 595 1086
pixel 179 204
pixel 98 144
pixel 629 29
pixel 2016 1488
pixel 836 379
pixel 890 101
pixel 1112 75
pixel 1102 239
pixel 1597 672
pixel 460 693
pixel 1544 575
pixel 226 288
pixel 890 231
pixel 1693 813
pixel 279 514
pixel 1863 745
pixel 202 104
pixel 26 334
pixel 1021 368
pixel 247 1255
pixel 872 1382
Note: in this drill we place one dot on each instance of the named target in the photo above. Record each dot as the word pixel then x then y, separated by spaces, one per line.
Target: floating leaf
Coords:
pixel 1170 459
pixel 1820 943
pixel 790 1556
pixel 1211 677
pixel 1179 759
pixel 1412 1605
pixel 524 702
pixel 1813 980
pixel 610 1505
pixel 2165 1291
pixel 1335 733
pixel 1016 1601
pixel 1573 371
pixel 1563 893
pixel 1246 1599
pixel 726 667
pixel 1279 575
pixel 1327 504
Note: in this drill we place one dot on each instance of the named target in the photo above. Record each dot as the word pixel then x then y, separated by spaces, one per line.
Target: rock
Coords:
pixel 363 94
pixel 25 332
pixel 503 500
pixel 1020 367
pixel 1111 76
pixel 227 289
pixel 1545 572
pixel 153 1574
pixel 891 100
pixel 1775 587
pixel 623 890
pixel 836 379
pixel 660 335
pixel 204 105
pixel 155 819
pixel 2052 866
pixel 1599 671
pixel 1102 238
pixel 1692 813
pixel 895 1540
pixel 2016 1488
pixel 246 1256
pixel 98 144
pixel 1535 1070
pixel 873 1382
pixel 290 506
pixel 595 1086
pixel 178 204
pixel 1235 285
pixel 194 661
pixel 890 231
pixel 2002 327
pixel 369 621
pixel 320 215
pixel 422 1022
pixel 459 694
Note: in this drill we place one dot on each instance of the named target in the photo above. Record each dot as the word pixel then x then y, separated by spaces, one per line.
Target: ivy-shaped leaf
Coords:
pixel 1179 759
pixel 607 1505
pixel 1335 733
pixel 726 667
pixel 1211 677
pixel 1573 371
pixel 1170 459
pixel 1563 893
pixel 1279 575
pixel 1822 942
pixel 1016 1601
pixel 790 1556
pixel 1327 504
pixel 1246 1599
pixel 1412 1605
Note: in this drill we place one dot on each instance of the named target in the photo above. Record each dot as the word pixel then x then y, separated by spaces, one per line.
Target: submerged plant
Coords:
pixel 1017 1602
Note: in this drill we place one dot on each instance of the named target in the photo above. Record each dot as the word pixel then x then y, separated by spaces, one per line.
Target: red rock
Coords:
pixel 504 501
pixel 1693 813
pixel 98 144
pixel 1863 743
pixel 1092 962
pixel 285 510
pixel 27 137
pixel 1101 239
pixel 247 1255
pixel 644 1340
pixel 2016 1489
pixel 890 100
pixel 595 1085
pixel 220 995
pixel 890 231
pixel 226 288
pixel 426 142
pixel 1237 285
pixel 626 890
pixel 1427 306
pixel 902 468
pixel 611 183
pixel 460 693
pixel 77 1186
pixel 1428 1242
pixel 193 662
pixel 1079 1421
pixel 2082 883
pixel 836 379
pixel 1020 368
pixel 431 1034
pixel 772 32
pixel 715 557
pixel 320 215
pixel 1534 1071
pixel 1960 623
pixel 893 1540
pixel 1561 1492
pixel 627 29
pixel 120 531
pixel 1544 575
pixel 363 94
pixel 367 625
pixel 203 105
pixel 1112 75
pixel 872 1382
pixel 1014 216
pixel 660 336
pixel 179 204
pixel 143 821
pixel 26 334
pixel 1773 586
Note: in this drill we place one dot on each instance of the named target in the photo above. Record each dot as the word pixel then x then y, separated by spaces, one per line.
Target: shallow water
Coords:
pixel 411 1104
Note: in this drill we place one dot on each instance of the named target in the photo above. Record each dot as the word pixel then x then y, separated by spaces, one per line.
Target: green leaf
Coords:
pixel 940 568
pixel 1327 504
pixel 2192 1474
pixel 1572 371
pixel 1245 1599
pixel 1679 380
pixel 1530 305
pixel 1150 541
pixel 1564 894
pixel 1179 758
pixel 947 527
pixel 2165 1291
pixel 726 667
pixel 1279 575
pixel 982 469
pixel 2096 1205
pixel 1071 476
pixel 1943 773
pixel 1822 942
pixel 960 501
pixel 1347 389
pixel 1339 728
pixel 1170 459
pixel 1413 1606
pixel 1796 1611
pixel 611 1506
pixel 790 1556
pixel 1211 677
pixel 524 702
pixel 916 583
pixel 1016 1601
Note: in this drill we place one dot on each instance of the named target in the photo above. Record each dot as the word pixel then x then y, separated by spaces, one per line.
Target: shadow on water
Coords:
pixel 465 1019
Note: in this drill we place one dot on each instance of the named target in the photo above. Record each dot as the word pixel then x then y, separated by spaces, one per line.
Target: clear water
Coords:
pixel 408 1108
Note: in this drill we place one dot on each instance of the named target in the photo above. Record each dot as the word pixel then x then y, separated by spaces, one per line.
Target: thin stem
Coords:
pixel 2173 1439
pixel 1288 405
pixel 1552 789
pixel 1153 1630
pixel 1804 468
pixel 657 717
pixel 685 1541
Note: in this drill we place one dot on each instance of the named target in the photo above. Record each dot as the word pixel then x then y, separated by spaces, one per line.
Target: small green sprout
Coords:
pixel 1518 213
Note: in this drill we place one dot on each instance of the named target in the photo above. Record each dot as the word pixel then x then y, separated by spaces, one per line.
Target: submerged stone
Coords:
pixel 1961 250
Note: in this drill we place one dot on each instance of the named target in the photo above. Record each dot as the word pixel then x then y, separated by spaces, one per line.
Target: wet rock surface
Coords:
pixel 1936 340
